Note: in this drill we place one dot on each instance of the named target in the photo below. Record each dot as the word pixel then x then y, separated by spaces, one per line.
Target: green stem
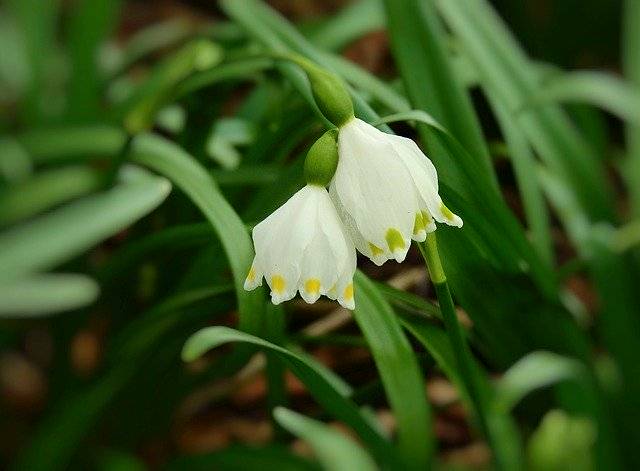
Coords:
pixel 461 350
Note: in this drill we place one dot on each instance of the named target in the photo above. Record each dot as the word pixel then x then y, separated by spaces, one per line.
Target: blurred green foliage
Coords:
pixel 134 159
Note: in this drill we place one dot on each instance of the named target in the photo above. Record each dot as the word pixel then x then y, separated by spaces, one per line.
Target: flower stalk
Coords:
pixel 329 90
pixel 459 344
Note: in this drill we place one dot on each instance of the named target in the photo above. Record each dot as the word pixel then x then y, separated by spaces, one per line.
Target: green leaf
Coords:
pixel 399 370
pixel 352 22
pixel 240 69
pixel 534 371
pixel 170 160
pixel 153 38
pixel 89 24
pixel 322 389
pixel 334 450
pixel 429 78
pixel 36 21
pixel 15 164
pixel 73 143
pixel 141 109
pixel 45 190
pixel 502 433
pixel 566 206
pixel 41 295
pixel 599 89
pixel 523 162
pixel 504 69
pixel 409 301
pixel 66 232
pixel 615 277
pixel 631 67
pixel 562 442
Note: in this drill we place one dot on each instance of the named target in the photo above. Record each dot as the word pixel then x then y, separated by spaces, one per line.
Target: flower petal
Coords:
pixel 254 277
pixel 374 188
pixel 425 179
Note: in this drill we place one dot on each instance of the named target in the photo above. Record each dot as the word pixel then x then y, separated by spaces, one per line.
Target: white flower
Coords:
pixel 304 247
pixel 386 191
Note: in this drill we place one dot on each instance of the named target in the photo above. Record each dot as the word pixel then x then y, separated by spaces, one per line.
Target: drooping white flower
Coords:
pixel 303 247
pixel 386 191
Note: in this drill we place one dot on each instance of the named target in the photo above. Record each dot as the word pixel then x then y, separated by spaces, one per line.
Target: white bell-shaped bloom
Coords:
pixel 386 191
pixel 303 246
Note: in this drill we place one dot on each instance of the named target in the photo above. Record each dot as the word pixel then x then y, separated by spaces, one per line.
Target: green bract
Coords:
pixel 329 92
pixel 322 159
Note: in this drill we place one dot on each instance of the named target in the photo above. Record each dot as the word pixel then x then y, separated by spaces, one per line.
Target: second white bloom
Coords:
pixel 303 247
pixel 386 191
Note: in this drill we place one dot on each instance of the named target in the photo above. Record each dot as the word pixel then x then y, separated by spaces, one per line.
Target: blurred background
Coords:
pixel 90 369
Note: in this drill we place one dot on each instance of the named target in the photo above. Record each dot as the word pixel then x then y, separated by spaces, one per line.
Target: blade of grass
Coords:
pixel 399 371
pixel 615 279
pixel 89 24
pixel 72 143
pixel 352 22
pixel 170 160
pixel 139 111
pixel 534 371
pixel 501 431
pixel 275 332
pixel 429 78
pixel 42 295
pixel 320 388
pixel 37 23
pixel 246 69
pixel 599 89
pixel 157 36
pixel 334 450
pixel 45 190
pixel 523 162
pixel 631 66
pixel 72 229
pixel 15 164
pixel 507 72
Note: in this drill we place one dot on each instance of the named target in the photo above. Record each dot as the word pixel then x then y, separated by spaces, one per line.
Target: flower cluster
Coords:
pixel 383 193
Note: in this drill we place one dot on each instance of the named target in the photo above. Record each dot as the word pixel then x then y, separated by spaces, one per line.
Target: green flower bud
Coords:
pixel 329 92
pixel 322 159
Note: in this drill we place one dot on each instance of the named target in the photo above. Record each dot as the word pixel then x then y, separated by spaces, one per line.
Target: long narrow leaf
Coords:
pixel 510 75
pixel 335 451
pixel 501 430
pixel 631 64
pixel 399 371
pixel 45 190
pixel 46 294
pixel 69 231
pixel 599 89
pixel 322 390
pixel 429 77
pixel 170 160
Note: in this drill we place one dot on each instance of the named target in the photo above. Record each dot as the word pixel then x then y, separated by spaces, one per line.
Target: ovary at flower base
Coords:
pixel 303 247
pixel 386 192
